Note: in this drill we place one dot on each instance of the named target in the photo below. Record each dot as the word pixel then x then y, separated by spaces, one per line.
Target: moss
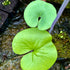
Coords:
pixel 62 44
pixel 60 2
pixel 6 2
pixel 0 17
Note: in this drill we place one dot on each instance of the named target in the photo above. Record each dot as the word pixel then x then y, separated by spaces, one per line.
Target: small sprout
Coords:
pixel 36 43
pixel 6 2
pixel 42 9
pixel 44 52
pixel 61 32
pixel 61 36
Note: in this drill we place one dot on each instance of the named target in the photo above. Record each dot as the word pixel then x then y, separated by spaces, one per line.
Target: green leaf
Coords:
pixel 38 0
pixel 44 54
pixel 44 10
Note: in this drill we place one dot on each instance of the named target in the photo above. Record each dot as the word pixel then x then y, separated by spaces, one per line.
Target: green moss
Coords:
pixel 6 2
pixel 0 17
pixel 62 44
pixel 60 2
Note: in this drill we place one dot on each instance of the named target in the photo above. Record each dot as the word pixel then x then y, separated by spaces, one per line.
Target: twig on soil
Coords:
pixel 59 14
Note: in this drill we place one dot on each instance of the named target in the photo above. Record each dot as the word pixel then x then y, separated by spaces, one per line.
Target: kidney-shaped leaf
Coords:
pixel 41 14
pixel 44 54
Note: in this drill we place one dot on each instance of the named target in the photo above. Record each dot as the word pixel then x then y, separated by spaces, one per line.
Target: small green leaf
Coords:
pixel 44 54
pixel 44 10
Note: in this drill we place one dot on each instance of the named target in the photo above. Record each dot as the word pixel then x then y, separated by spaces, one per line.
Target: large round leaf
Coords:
pixel 40 9
pixel 44 54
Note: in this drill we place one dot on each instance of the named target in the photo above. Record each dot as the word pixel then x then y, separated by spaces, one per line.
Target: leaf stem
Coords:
pixel 20 56
pixel 59 14
pixel 28 52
